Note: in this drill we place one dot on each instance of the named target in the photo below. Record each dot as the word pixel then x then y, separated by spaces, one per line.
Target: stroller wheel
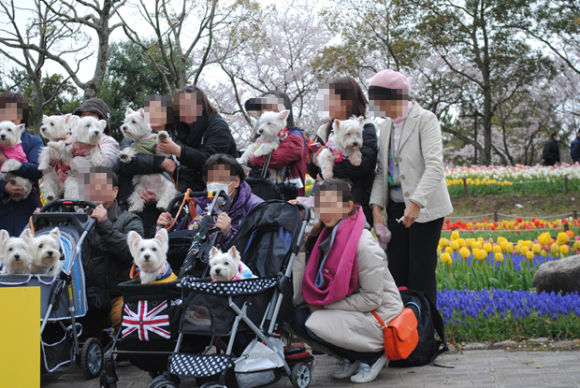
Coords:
pixel 300 376
pixel 162 382
pixel 92 358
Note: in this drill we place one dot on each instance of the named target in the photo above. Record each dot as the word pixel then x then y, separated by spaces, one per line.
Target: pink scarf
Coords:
pixel 340 269
pixel 16 153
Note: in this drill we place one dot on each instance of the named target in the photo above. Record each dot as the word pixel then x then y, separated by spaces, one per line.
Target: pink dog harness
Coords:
pixel 16 153
pixel 338 156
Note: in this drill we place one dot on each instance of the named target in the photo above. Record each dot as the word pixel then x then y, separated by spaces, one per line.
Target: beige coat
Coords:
pixel 348 323
pixel 420 165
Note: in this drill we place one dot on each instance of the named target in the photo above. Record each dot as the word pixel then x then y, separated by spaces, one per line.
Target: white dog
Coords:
pixel 144 142
pixel 46 254
pixel 88 132
pixel 57 130
pixel 345 143
pixel 11 144
pixel 228 266
pixel 151 257
pixel 271 130
pixel 16 256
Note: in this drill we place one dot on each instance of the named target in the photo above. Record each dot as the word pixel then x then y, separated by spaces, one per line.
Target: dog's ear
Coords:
pixel 44 117
pixel 72 120
pixel 129 111
pixel 142 112
pixel 20 127
pixel 284 115
pixel 55 233
pixel 27 235
pixel 133 240
pixel 335 125
pixel 102 124
pixel 360 120
pixel 163 238
pixel 214 251
pixel 4 236
pixel 235 254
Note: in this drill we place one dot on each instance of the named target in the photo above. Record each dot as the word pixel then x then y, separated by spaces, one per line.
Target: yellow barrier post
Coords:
pixel 20 337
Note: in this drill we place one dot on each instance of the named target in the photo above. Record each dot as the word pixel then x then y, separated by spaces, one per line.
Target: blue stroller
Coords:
pixel 63 298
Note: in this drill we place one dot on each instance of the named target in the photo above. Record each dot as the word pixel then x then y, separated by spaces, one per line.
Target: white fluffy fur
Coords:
pixel 269 125
pixel 10 134
pixel 223 266
pixel 15 252
pixel 136 128
pixel 46 256
pixel 149 255
pixel 347 138
pixel 56 129
pixel 85 130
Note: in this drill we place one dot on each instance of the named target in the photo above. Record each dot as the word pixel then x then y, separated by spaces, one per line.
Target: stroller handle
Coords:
pixel 82 220
pixel 306 209
pixel 197 194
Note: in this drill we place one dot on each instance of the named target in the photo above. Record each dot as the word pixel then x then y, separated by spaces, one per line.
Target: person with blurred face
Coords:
pixel 105 255
pixel 551 153
pixel 222 172
pixel 410 184
pixel 200 132
pixel 341 99
pixel 289 159
pixel 14 215
pixel 159 113
pixel 345 278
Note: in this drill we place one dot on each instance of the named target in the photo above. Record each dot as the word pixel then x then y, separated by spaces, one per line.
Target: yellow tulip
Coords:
pixel 481 254
pixel 530 255
pixel 502 239
pixel 454 235
pixel 555 249
pixel 503 246
pixel 487 247
pixel 544 239
pixel 563 238
pixel 564 249
pixel 499 257
pixel 448 250
pixel 464 252
pixel 461 242
pixel 544 253
pixel 518 249
pixel 454 245
pixel 497 249
pixel 443 242
pixel 536 248
pixel 530 244
pixel 510 247
pixel 525 250
pixel 446 258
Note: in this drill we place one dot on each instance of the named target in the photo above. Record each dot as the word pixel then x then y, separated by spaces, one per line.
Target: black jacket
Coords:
pixel 551 154
pixel 140 164
pixel 575 150
pixel 198 142
pixel 106 257
pixel 362 176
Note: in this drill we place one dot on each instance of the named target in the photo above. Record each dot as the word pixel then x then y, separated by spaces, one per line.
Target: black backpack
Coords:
pixel 430 321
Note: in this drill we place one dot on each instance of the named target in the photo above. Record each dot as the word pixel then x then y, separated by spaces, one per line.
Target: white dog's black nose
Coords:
pixel 97 133
pixel 355 143
pixel 16 257
pixel 3 137
pixel 146 257
pixel 217 271
pixel 49 253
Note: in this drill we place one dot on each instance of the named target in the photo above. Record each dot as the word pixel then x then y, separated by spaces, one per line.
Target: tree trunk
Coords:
pixel 93 86
pixel 35 118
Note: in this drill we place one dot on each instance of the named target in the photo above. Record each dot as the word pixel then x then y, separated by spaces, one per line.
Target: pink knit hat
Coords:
pixel 391 79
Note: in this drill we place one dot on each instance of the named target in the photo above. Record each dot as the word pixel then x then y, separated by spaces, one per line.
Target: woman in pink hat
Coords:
pixel 410 184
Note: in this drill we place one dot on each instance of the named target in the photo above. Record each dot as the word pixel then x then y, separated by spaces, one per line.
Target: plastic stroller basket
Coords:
pixel 206 306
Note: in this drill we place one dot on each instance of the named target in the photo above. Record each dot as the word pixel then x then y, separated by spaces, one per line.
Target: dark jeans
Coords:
pixel 299 325
pixel 412 252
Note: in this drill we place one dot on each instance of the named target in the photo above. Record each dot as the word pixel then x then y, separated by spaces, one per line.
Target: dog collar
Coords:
pixel 283 134
pixel 338 156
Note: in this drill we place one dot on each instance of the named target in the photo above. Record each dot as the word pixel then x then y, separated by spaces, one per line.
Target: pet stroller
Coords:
pixel 151 312
pixel 250 309
pixel 63 298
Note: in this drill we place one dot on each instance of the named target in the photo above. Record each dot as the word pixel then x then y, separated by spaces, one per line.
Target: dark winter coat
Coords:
pixel 575 150
pixel 14 215
pixel 106 257
pixel 139 165
pixel 362 176
pixel 551 154
pixel 198 142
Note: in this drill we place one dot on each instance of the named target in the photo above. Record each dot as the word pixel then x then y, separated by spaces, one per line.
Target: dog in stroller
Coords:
pixel 63 297
pixel 223 313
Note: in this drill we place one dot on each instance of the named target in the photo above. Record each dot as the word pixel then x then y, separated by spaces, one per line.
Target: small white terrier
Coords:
pixel 345 143
pixel 151 256
pixel 46 254
pixel 89 132
pixel 11 144
pixel 228 266
pixel 136 127
pixel 57 130
pixel 15 252
pixel 270 129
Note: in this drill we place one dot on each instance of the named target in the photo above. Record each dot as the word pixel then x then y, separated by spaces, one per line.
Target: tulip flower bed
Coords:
pixel 518 224
pixel 497 315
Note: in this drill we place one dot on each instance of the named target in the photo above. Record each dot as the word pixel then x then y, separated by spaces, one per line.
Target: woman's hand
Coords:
pixel 224 223
pixel 148 196
pixel 14 190
pixel 169 165
pixel 164 220
pixel 378 217
pixel 315 156
pixel 314 308
pixel 168 146
pixel 411 214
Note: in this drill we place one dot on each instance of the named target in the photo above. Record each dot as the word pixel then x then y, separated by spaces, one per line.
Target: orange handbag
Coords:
pixel 401 335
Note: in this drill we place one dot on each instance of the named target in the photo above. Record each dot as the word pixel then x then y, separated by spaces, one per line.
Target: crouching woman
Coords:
pixel 345 279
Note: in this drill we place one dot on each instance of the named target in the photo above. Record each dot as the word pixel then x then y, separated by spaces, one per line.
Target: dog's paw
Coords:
pixel 125 156
pixel 162 136
pixel 355 158
pixel 11 165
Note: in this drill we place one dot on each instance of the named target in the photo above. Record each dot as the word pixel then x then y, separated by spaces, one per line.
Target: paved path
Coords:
pixel 476 368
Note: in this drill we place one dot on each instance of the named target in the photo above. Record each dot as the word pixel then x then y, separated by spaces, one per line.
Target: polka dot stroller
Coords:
pixel 242 316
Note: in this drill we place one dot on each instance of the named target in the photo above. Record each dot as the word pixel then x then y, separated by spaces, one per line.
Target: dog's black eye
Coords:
pixel 41 245
pixel 154 249
pixel 88 126
pixel 142 249
pixel 10 249
pixel 133 121
pixel 52 124
pixel 9 129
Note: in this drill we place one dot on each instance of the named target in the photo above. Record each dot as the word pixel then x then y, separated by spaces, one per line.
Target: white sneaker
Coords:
pixel 346 369
pixel 366 373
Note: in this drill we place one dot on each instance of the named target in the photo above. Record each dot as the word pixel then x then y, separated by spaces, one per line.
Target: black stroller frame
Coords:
pixel 163 292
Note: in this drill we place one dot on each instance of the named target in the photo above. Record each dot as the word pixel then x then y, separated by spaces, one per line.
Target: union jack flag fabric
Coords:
pixel 143 321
